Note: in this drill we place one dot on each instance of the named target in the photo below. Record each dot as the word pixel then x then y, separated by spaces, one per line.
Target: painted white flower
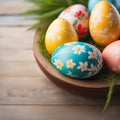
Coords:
pixel 69 73
pixel 97 18
pixel 83 66
pixel 100 61
pixel 92 68
pixel 89 74
pixel 91 46
pixel 70 63
pixel 92 55
pixel 58 64
pixel 78 49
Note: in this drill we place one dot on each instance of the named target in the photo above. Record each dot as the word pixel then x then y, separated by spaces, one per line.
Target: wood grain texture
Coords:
pixel 41 91
pixel 14 6
pixel 16 38
pixel 16 20
pixel 16 55
pixel 18 69
pixel 25 92
pixel 80 112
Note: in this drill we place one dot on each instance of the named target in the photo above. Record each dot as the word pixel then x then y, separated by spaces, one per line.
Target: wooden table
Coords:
pixel 25 92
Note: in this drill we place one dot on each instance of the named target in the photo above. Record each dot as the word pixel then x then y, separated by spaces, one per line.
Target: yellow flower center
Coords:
pixel 70 64
pixel 59 64
pixel 83 67
pixel 78 49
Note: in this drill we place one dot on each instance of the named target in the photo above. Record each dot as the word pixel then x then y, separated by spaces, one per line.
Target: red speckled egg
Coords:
pixel 111 56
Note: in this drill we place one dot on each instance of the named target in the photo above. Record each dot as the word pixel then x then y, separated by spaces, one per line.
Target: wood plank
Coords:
pixel 19 69
pixel 16 55
pixel 41 91
pixel 80 112
pixel 18 20
pixel 16 38
pixel 14 6
pixel 36 91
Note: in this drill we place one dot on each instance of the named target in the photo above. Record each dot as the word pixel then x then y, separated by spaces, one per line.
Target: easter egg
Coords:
pixel 104 23
pixel 59 32
pixel 78 16
pixel 92 3
pixel 117 3
pixel 111 56
pixel 78 60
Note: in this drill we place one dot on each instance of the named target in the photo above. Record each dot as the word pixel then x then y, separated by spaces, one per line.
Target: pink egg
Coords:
pixel 111 56
pixel 78 16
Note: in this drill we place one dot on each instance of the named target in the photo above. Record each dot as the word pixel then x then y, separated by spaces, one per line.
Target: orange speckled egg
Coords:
pixel 59 32
pixel 104 23
pixel 111 56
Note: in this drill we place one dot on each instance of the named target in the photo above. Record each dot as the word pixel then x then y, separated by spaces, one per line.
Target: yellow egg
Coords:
pixel 104 23
pixel 59 32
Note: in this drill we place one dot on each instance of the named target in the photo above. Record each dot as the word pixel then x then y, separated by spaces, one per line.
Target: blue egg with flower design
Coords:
pixel 77 60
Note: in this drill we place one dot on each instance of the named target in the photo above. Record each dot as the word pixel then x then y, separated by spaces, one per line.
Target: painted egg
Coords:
pixel 117 3
pixel 59 32
pixel 78 60
pixel 92 3
pixel 77 15
pixel 111 56
pixel 104 23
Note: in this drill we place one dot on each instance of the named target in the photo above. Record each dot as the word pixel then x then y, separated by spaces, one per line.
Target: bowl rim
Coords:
pixel 48 67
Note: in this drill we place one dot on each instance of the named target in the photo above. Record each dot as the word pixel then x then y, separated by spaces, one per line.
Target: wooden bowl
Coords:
pixel 91 88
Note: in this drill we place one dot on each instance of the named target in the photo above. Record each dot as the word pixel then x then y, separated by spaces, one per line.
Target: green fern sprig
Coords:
pixel 45 9
pixel 112 79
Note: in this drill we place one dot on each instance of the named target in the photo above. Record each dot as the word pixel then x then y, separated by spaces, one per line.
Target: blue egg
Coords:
pixel 117 3
pixel 92 3
pixel 78 60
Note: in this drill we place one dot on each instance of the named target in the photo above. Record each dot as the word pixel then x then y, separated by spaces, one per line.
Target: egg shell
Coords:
pixel 78 16
pixel 104 23
pixel 92 3
pixel 78 60
pixel 59 32
pixel 117 3
pixel 111 56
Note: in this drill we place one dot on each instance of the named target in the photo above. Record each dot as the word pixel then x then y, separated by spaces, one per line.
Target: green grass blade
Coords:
pixel 110 93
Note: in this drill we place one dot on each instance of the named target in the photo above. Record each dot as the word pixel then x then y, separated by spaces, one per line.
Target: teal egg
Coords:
pixel 78 60
pixel 117 3
pixel 92 3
